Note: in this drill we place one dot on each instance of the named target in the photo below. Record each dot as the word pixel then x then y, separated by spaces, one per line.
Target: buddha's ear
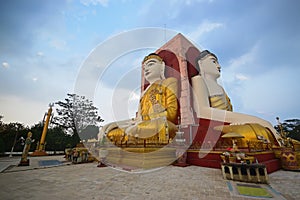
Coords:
pixel 163 70
pixel 198 64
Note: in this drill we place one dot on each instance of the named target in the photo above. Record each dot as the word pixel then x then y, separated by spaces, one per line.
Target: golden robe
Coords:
pixel 158 109
pixel 220 102
pixel 252 132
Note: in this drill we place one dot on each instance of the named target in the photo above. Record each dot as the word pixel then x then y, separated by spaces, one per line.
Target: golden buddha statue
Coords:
pixel 157 113
pixel 212 102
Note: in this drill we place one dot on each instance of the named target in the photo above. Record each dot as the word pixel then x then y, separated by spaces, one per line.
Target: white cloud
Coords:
pixel 134 96
pixel 22 110
pixel 261 90
pixel 34 79
pixel 95 2
pixel 237 65
pixel 241 77
pixel 115 105
pixel 204 28
pixel 116 102
pixel 190 2
pixel 58 44
pixel 245 59
pixel 39 53
pixel 5 65
pixel 271 94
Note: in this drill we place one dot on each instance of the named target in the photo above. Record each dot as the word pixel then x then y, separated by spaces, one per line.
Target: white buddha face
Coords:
pixel 153 70
pixel 209 66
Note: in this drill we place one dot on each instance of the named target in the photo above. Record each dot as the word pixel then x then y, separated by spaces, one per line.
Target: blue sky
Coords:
pixel 45 43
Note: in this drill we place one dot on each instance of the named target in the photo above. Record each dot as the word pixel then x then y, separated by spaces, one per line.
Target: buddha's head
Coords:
pixel 208 65
pixel 154 68
pixel 29 134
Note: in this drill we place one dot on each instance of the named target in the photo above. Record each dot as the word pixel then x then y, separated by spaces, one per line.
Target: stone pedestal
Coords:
pixel 39 153
pixel 102 157
pixel 289 159
pixel 181 148
pixel 24 163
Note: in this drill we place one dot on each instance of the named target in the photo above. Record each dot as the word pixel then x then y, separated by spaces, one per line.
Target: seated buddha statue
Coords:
pixel 210 70
pixel 157 113
pixel 212 102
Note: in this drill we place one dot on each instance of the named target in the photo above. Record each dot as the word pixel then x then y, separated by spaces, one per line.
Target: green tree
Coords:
pixel 11 134
pixel 56 139
pixel 75 113
pixel 2 144
pixel 90 132
pixel 291 127
pixel 1 122
pixel 36 131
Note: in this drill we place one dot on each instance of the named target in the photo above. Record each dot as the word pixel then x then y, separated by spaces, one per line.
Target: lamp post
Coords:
pixel 15 140
pixel 13 146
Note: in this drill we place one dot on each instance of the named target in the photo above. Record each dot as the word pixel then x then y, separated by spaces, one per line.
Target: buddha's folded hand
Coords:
pixel 157 108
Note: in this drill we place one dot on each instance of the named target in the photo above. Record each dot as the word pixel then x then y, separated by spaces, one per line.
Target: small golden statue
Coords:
pixel 28 141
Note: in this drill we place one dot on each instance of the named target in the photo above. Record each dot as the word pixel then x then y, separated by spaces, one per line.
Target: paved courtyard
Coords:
pixel 87 181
